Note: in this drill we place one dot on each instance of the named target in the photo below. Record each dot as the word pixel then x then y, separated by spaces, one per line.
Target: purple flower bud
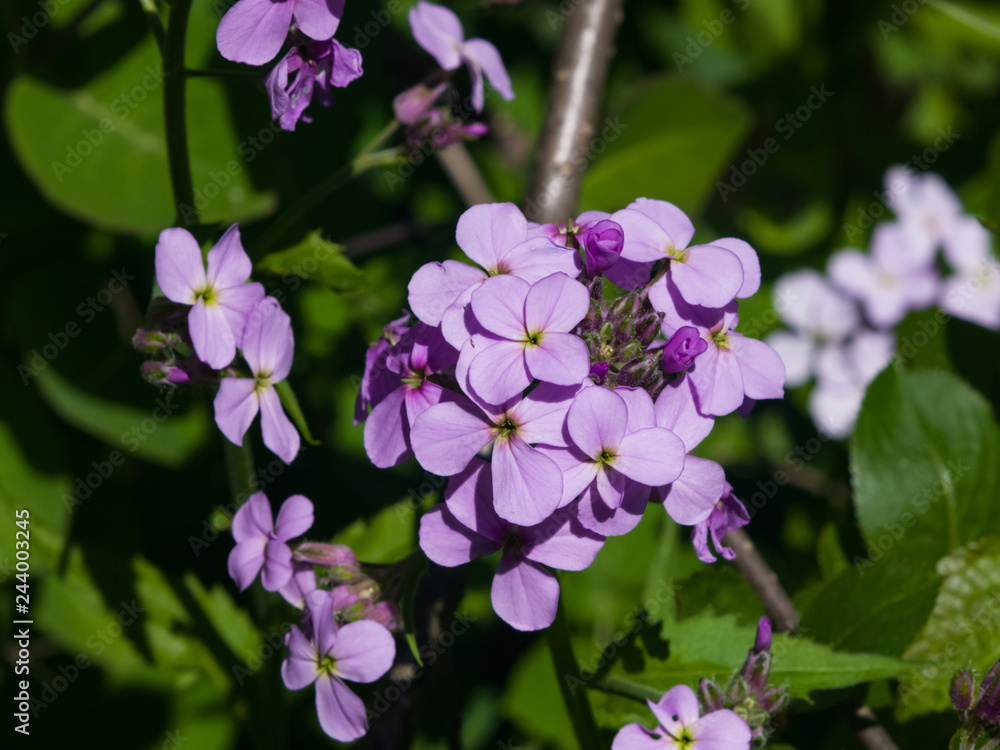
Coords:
pixel 151 341
pixel 962 690
pixel 598 371
pixel 635 372
pixel 387 614
pixel 988 706
pixel 711 696
pixel 415 103
pixel 163 373
pixel 648 326
pixel 680 352
pixel 763 640
pixel 327 555
pixel 602 244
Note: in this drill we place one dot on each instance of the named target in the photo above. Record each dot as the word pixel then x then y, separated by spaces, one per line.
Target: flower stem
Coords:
pixel 239 468
pixel 155 22
pixel 366 159
pixel 577 704
pixel 627 688
pixel 174 108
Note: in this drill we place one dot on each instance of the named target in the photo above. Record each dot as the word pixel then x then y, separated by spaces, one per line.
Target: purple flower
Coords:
pixel 387 431
pixel 262 542
pixel 733 366
pixel 267 348
pixel 710 275
pixel 818 314
pixel 728 514
pixel 615 456
pixel 561 234
pixel 602 243
pixel 495 236
pixel 682 348
pixel 221 297
pixel 974 294
pixel 679 727
pixel 928 208
pixel 525 593
pixel 887 282
pixel 440 33
pixel 309 70
pixel 527 335
pixel 378 381
pixel 360 651
pixel 692 496
pixel 528 484
pixel 414 105
pixel 300 585
pixel 253 31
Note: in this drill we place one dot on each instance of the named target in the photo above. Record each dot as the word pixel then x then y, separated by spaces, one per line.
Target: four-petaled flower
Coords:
pixel 221 297
pixel 267 348
pixel 680 728
pixel 360 651
pixel 262 542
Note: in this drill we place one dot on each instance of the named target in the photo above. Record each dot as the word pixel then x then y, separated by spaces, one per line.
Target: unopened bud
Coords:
pixel 327 555
pixel 151 341
pixel 682 348
pixel 988 706
pixel 711 696
pixel 962 690
pixel 163 373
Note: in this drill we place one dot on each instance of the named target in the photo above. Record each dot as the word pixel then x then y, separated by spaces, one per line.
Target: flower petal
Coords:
pixel 438 30
pixel 636 737
pixel 558 358
pixel 228 263
pixel 387 431
pixel 749 261
pixel 436 286
pixel 761 368
pixel 363 651
pixel 499 306
pixel 556 303
pixel 448 542
pixel 596 421
pixel 180 270
pixel 277 570
pixel 253 519
pixel 524 594
pixel 318 19
pixel 652 457
pixel 488 59
pixel 268 342
pixel 560 542
pixel 341 713
pixel 676 410
pixel 709 276
pixel 246 560
pixel 447 436
pixel 253 31
pixel 299 668
pixel 295 518
pixel 691 497
pixel 676 710
pixel 527 485
pixel 280 435
pixel 721 730
pixel 499 372
pixel 487 231
pixel 236 405
pixel 213 339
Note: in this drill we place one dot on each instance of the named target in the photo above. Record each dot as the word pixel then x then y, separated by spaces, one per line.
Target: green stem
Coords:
pixel 627 688
pixel 239 469
pixel 577 704
pixel 366 159
pixel 174 106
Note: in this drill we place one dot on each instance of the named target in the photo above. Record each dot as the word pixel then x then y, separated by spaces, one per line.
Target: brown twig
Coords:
pixel 464 174
pixel 784 617
pixel 577 88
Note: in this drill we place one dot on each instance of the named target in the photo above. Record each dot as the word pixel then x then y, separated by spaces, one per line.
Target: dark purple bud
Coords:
pixel 386 614
pixel 636 371
pixel 413 104
pixel 163 373
pixel 774 700
pixel 681 350
pixel 598 371
pixel 763 639
pixel 151 341
pixel 626 306
pixel 647 327
pixel 602 244
pixel 711 697
pixel 988 706
pixel 962 690
pixel 327 555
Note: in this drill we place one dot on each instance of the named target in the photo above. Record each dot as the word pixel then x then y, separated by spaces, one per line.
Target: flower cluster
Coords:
pixel 210 312
pixel 978 707
pixel 562 382
pixel 344 634
pixel 254 32
pixel 842 323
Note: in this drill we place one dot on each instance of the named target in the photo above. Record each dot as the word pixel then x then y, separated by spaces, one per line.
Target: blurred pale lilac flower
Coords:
pixel 439 31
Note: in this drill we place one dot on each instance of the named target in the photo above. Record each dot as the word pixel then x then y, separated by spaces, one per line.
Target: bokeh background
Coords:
pixel 696 89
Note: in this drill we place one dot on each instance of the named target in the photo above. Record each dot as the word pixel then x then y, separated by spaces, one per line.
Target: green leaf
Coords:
pixel 670 141
pixel 318 260
pixel 721 590
pixel 875 607
pixel 110 134
pixel 533 702
pixel 159 434
pixel 292 408
pixel 925 458
pixel 961 631
pixel 386 537
pixel 713 646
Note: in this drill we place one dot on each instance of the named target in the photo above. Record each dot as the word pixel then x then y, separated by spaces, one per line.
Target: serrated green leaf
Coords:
pixel 671 141
pixel 961 631
pixel 829 554
pixel 318 260
pixel 161 434
pixel 925 459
